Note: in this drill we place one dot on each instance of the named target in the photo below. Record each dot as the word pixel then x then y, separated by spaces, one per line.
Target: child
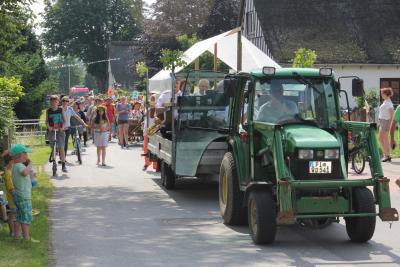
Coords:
pixel 3 203
pixel 9 189
pixel 101 127
pixel 22 193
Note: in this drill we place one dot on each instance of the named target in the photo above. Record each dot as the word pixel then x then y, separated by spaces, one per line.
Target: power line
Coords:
pixel 80 64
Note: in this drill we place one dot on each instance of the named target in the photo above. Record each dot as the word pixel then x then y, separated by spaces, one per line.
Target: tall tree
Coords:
pixel 83 29
pixel 223 16
pixel 172 18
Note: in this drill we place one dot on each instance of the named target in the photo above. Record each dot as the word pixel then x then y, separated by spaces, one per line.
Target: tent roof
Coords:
pixel 252 57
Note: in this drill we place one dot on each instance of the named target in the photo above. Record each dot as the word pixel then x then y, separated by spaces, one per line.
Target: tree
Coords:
pixel 83 29
pixel 223 16
pixel 64 76
pixel 304 58
pixel 10 92
pixel 13 16
pixel 30 67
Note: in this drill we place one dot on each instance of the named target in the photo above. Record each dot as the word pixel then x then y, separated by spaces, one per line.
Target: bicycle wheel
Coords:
pixel 78 150
pixel 358 162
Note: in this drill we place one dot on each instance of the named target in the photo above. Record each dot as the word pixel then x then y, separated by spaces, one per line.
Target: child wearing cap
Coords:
pixel 22 194
pixel 9 186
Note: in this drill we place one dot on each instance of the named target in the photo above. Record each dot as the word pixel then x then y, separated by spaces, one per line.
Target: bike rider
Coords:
pixel 55 121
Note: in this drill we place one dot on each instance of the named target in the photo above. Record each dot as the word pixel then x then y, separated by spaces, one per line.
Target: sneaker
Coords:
pixel 64 169
pixel 73 152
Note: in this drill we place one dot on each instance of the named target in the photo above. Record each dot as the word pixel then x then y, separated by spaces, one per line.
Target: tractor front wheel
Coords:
pixel 230 197
pixel 361 229
pixel 262 217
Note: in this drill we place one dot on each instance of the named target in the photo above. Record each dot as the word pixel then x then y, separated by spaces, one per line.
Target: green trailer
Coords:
pixel 287 157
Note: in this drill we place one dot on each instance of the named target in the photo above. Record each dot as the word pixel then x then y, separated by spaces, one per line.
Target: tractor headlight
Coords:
pixel 306 154
pixel 331 153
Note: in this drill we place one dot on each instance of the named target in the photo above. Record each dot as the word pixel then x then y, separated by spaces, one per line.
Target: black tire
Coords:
pixel 167 176
pixel 361 229
pixel 78 153
pixel 159 163
pixel 358 162
pixel 262 217
pixel 230 197
pixel 54 168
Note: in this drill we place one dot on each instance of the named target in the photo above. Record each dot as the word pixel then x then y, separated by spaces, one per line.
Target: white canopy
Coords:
pixel 252 57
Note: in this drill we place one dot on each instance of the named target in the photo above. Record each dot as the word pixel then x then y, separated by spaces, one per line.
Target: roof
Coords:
pixel 339 31
pixel 287 72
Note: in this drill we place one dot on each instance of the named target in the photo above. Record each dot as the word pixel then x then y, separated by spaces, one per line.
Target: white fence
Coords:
pixel 30 131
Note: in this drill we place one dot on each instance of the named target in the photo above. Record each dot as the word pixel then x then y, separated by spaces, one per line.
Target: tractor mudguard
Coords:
pixel 256 185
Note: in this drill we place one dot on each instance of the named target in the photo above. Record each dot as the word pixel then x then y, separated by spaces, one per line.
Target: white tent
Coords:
pixel 252 57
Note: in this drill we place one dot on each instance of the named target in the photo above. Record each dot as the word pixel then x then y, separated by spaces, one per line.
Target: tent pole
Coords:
pixel 197 64
pixel 239 51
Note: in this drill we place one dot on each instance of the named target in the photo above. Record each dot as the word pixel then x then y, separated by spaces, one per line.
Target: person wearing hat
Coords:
pixel 101 127
pixel 22 194
pixel 55 121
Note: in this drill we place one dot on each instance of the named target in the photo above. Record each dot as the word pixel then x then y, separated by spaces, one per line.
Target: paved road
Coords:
pixel 120 216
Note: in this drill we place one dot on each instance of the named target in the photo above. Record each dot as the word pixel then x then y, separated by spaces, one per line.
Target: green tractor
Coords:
pixel 287 157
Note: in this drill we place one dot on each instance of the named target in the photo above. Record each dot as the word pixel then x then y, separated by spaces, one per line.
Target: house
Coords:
pixel 356 37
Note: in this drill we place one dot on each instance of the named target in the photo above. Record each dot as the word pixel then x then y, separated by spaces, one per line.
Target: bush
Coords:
pixel 10 93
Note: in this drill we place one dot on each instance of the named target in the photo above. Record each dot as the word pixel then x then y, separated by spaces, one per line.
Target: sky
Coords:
pixel 38 7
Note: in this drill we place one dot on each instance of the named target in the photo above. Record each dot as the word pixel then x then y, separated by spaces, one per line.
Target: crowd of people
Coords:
pixel 98 118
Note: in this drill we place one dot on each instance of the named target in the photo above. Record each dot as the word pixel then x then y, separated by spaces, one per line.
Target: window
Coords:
pixel 393 83
pixel 250 23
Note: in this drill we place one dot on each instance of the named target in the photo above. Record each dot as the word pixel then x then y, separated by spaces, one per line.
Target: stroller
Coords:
pixel 135 130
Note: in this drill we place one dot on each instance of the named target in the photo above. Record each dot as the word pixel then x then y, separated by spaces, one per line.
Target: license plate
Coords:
pixel 320 166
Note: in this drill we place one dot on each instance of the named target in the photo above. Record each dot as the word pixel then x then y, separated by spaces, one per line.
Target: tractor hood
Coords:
pixel 306 136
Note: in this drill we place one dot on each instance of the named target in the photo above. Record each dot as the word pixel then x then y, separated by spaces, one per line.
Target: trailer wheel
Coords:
pixel 167 176
pixel 262 217
pixel 361 229
pixel 230 196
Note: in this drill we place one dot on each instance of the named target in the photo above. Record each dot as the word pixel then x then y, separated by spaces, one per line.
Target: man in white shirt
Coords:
pixel 69 112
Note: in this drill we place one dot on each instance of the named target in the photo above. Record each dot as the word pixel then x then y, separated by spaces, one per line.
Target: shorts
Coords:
pixel 60 139
pixel 24 210
pixel 384 125
pixel 122 122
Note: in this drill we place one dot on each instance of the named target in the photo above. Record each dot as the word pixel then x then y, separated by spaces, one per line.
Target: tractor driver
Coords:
pixel 278 108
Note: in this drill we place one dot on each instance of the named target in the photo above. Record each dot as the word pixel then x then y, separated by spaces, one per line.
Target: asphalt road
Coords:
pixel 121 216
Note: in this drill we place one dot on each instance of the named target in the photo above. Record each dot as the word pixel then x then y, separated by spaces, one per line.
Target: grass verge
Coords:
pixel 19 253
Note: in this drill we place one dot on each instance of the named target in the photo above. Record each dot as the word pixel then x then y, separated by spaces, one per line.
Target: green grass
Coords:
pixel 19 253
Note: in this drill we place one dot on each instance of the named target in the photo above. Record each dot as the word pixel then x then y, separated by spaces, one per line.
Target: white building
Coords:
pixel 359 38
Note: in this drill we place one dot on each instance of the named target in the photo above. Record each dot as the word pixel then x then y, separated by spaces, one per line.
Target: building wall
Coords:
pixel 371 74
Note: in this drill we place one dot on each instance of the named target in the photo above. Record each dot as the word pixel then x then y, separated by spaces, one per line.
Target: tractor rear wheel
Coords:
pixel 361 229
pixel 167 176
pixel 262 217
pixel 230 197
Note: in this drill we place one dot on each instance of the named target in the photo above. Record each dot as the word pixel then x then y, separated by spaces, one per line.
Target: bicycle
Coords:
pixel 53 154
pixel 357 156
pixel 76 141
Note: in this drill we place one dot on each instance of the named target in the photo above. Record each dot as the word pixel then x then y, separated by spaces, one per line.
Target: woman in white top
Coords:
pixel 385 119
